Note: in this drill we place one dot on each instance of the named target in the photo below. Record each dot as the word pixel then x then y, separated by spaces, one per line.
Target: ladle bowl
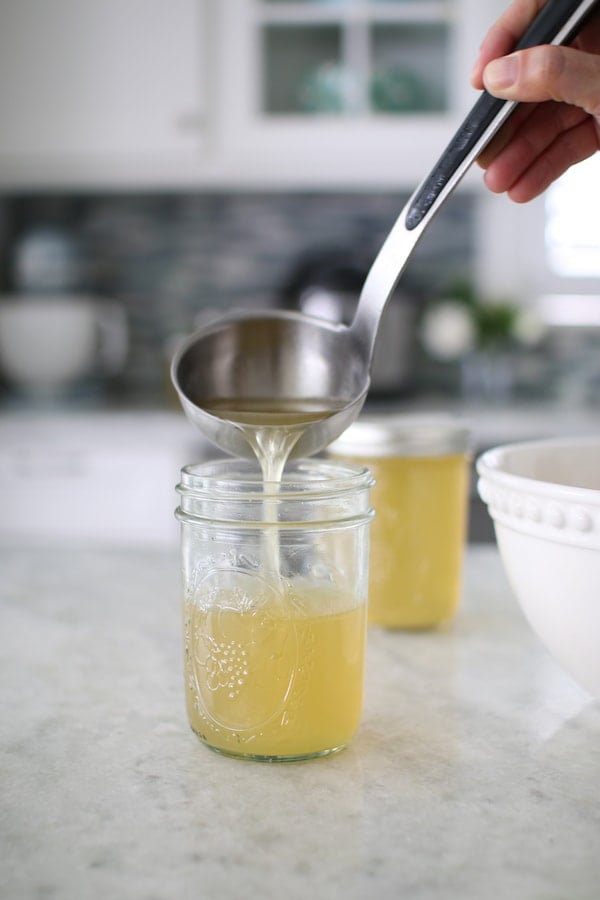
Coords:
pixel 271 356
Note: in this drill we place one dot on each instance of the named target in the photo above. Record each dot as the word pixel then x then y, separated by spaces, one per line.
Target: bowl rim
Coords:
pixel 488 467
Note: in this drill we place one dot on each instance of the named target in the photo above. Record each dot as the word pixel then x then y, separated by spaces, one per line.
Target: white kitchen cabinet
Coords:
pixel 104 91
pixel 232 93
pixel 328 126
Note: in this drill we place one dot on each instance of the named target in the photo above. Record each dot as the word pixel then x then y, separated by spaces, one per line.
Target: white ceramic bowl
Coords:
pixel 544 498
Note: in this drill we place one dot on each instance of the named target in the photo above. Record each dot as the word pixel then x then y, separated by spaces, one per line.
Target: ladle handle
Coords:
pixel 558 22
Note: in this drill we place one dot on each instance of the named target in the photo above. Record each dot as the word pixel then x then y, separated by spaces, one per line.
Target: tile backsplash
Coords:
pixel 169 257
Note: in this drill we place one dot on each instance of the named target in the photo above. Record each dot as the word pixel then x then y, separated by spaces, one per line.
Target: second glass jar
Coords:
pixel 421 470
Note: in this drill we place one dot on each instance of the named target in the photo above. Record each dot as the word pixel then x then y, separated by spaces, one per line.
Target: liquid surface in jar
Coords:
pixel 283 678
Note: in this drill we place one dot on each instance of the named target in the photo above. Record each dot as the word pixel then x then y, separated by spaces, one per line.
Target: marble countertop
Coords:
pixel 474 774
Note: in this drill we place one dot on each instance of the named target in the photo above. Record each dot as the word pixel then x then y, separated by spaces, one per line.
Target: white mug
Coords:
pixel 47 343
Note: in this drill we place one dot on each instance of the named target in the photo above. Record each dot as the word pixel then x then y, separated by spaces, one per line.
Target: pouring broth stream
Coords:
pixel 272 427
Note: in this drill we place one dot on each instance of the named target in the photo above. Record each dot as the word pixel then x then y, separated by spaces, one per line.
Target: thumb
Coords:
pixel 547 73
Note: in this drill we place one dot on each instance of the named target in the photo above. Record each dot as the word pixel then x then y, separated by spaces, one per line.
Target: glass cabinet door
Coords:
pixel 303 69
pixel 354 57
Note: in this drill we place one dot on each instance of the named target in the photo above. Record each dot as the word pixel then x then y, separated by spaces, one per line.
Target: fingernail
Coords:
pixel 501 73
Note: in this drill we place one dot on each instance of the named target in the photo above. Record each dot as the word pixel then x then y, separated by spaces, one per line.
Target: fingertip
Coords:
pixel 501 74
pixel 492 183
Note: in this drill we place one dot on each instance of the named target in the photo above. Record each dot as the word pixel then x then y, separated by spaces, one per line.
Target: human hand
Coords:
pixel 559 122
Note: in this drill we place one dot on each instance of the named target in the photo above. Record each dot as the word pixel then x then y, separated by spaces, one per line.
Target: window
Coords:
pixel 546 253
pixel 572 230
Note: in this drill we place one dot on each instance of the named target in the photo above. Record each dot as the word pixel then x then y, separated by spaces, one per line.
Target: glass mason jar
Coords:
pixel 275 580
pixel 421 470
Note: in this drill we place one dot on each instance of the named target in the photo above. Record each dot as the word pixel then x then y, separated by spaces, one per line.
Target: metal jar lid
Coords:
pixel 399 434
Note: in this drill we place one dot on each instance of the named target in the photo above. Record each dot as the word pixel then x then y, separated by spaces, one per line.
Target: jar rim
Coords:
pixel 402 434
pixel 239 479
pixel 314 493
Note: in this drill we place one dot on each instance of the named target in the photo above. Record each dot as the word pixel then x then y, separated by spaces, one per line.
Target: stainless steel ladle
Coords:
pixel 291 356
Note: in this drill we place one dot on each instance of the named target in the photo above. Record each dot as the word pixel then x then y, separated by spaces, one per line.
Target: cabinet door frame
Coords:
pixel 387 150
